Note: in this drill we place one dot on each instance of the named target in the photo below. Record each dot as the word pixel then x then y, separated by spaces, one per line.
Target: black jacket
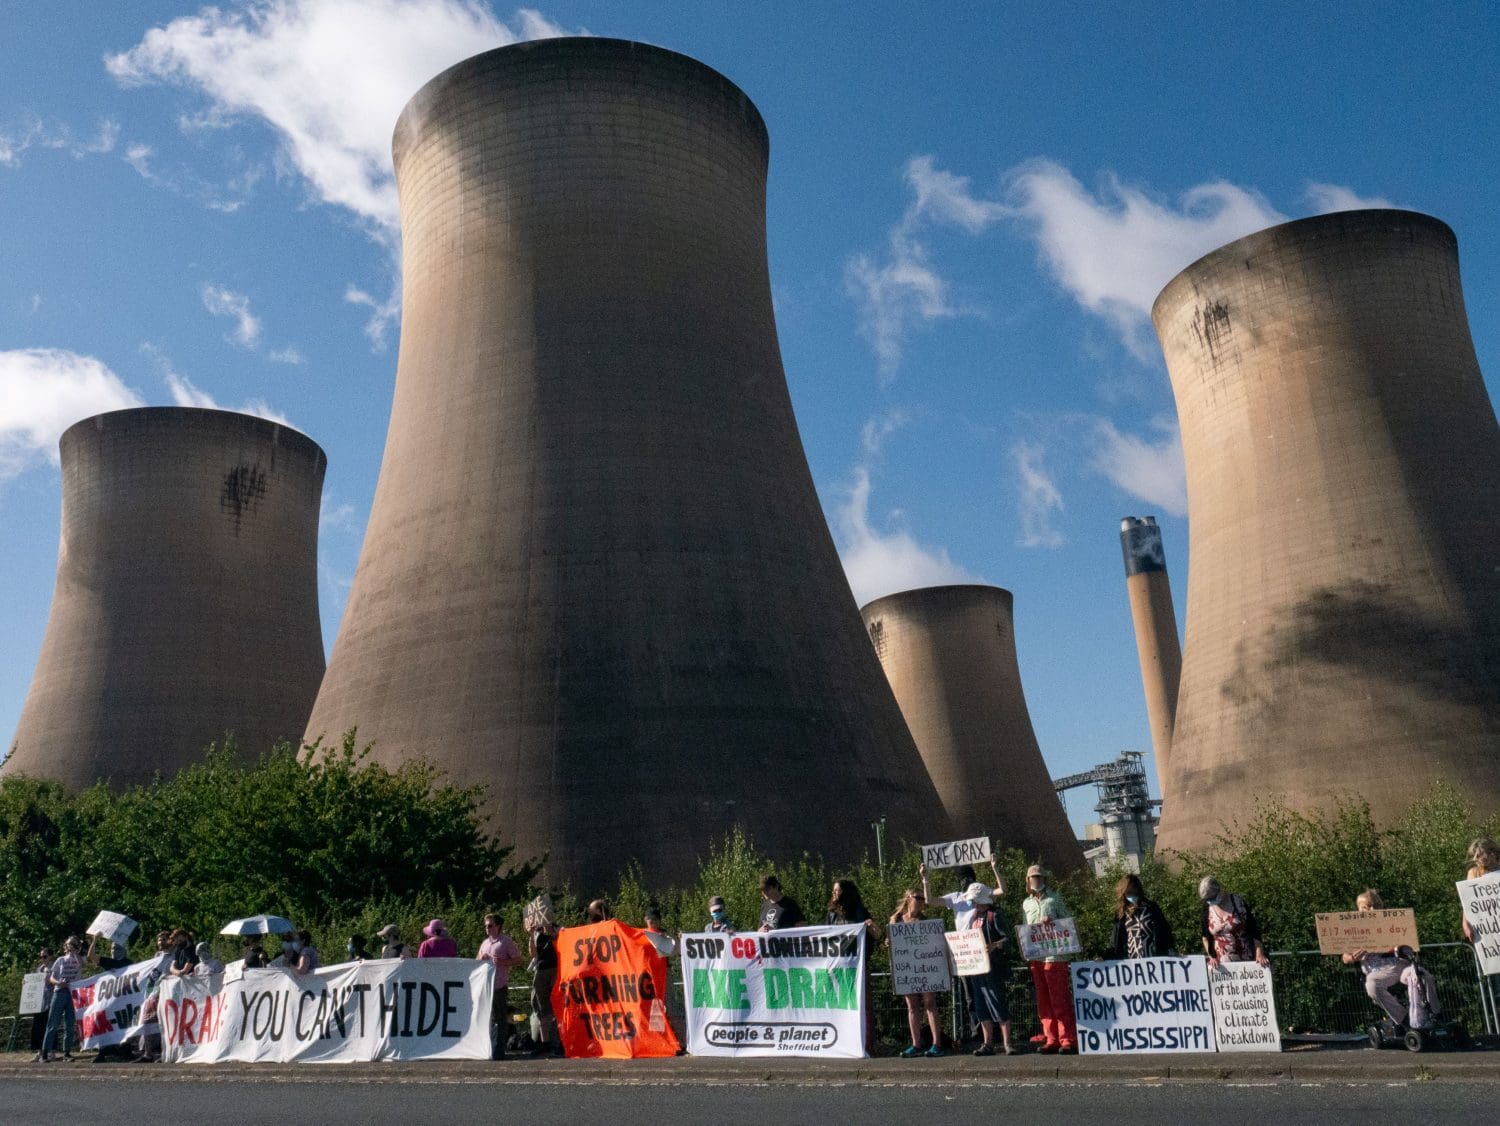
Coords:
pixel 1160 939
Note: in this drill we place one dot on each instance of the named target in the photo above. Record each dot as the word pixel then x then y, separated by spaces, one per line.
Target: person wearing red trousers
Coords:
pixel 1054 993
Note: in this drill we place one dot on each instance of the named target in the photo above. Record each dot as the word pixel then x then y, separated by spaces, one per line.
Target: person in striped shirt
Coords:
pixel 64 972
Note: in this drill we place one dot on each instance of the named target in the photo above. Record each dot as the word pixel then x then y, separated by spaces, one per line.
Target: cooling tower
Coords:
pixel 186 603
pixel 596 576
pixel 1155 621
pixel 949 653
pixel 1343 467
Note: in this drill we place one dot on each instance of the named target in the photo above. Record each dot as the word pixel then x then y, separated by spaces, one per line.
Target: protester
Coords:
pixel 1483 858
pixel 986 991
pixel 255 954
pixel 1382 969
pixel 596 912
pixel 500 951
pixel 184 954
pixel 307 955
pixel 208 965
pixel 718 916
pixel 60 976
pixel 1049 975
pixel 664 943
pixel 910 910
pixel 393 947
pixel 39 1020
pixel 438 943
pixel 355 949
pixel 542 941
pixel 116 958
pixel 963 911
pixel 1229 930
pixel 288 956
pixel 777 909
pixel 1141 928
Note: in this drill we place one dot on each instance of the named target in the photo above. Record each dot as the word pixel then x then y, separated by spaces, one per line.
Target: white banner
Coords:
pixel 919 957
pixel 1047 940
pixel 1244 1008
pixel 33 993
pixel 1143 1005
pixel 110 1007
pixel 953 854
pixel 970 957
pixel 799 991
pixel 1481 902
pixel 112 925
pixel 391 1009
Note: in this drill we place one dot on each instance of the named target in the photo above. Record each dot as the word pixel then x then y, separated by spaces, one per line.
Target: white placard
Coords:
pixel 953 854
pixel 795 992
pixel 919 957
pixel 1481 903
pixel 391 1009
pixel 1048 940
pixel 113 926
pixel 970 958
pixel 1244 1007
pixel 1143 1005
pixel 33 993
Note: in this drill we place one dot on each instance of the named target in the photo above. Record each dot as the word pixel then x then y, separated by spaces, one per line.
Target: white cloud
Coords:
pixel 185 393
pixel 336 517
pixel 382 313
pixel 138 156
pixel 1325 198
pixel 57 136
pixel 287 355
pixel 877 562
pixel 1039 497
pixel 329 76
pixel 224 302
pixel 1149 469
pixel 43 391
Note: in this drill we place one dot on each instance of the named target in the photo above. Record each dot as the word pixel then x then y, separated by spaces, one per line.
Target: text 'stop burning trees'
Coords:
pixel 596 576
pixel 950 655
pixel 1343 466
pixel 186 603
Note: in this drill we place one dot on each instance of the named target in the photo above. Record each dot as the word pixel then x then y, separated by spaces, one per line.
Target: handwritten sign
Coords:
pixel 953 854
pixel 113 926
pixel 33 993
pixel 1244 1008
pixel 968 954
pixel 919 957
pixel 1143 1005
pixel 1346 932
pixel 1047 940
pixel 1481 902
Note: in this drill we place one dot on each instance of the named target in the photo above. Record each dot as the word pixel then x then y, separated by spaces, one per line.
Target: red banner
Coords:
pixel 610 996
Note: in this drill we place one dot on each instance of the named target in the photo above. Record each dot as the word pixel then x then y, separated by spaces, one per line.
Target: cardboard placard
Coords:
pixel 970 958
pixel 113 926
pixel 1481 903
pixel 952 854
pixel 1048 940
pixel 919 957
pixel 1347 932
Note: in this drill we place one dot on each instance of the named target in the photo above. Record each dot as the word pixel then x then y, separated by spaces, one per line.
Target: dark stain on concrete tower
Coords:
pixel 1156 641
pixel 1343 466
pixel 186 603
pixel 596 575
pixel 949 653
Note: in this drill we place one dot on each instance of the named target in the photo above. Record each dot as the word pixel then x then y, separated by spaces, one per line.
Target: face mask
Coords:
pixel 349 949
pixel 1132 899
pixel 296 947
pixel 286 947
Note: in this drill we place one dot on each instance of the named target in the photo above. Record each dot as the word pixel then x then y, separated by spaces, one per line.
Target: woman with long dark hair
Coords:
pixel 1141 929
pixel 847 907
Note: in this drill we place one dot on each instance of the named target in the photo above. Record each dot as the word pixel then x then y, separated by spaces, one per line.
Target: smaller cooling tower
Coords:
pixel 1156 640
pixel 950 655
pixel 186 603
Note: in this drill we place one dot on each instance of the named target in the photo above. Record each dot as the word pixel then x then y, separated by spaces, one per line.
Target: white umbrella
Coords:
pixel 259 924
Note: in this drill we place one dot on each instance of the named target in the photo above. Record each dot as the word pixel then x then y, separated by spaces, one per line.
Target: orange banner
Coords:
pixel 610 996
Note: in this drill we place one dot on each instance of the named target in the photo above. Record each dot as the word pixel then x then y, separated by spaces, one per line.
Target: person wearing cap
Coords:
pixel 391 944
pixel 1049 975
pixel 718 916
pixel 963 914
pixel 208 965
pixel 986 991
pixel 500 951
pixel 438 944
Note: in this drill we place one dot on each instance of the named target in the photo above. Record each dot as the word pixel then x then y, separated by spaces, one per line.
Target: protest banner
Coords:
pixel 799 991
pixel 610 996
pixel 1481 904
pixel 110 1007
pixel 390 1009
pixel 112 925
pixel 1047 940
pixel 968 953
pixel 33 994
pixel 1143 1005
pixel 1244 1007
pixel 952 854
pixel 1348 932
pixel 919 957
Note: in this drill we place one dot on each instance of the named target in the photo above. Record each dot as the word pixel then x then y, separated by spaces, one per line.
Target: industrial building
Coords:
pixel 186 604
pixel 1158 647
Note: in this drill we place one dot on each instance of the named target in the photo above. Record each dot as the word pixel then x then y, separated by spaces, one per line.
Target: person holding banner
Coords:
pixel 61 976
pixel 500 951
pixel 846 906
pixel 986 991
pixel 1141 927
pixel 1049 976
pixel 1483 858
pixel 1229 930
pixel 912 910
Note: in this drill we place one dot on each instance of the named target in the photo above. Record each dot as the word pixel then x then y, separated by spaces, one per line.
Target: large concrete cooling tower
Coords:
pixel 186 603
pixel 1343 466
pixel 950 655
pixel 1156 641
pixel 596 575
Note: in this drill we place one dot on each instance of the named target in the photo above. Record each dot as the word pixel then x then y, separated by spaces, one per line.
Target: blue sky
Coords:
pixel 971 210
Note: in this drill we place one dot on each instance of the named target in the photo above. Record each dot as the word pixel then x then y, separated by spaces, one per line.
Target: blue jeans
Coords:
pixel 60 1015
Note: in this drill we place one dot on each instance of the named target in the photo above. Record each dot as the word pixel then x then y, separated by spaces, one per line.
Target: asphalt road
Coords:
pixel 333 1100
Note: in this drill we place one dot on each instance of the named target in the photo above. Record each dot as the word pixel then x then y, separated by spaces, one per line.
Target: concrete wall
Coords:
pixel 186 602
pixel 949 653
pixel 1343 464
pixel 596 576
